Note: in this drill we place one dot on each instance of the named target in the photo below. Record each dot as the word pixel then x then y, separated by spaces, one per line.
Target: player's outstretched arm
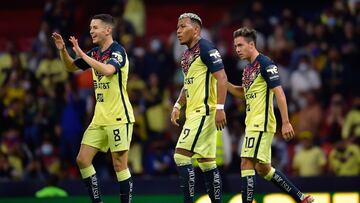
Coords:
pixel 181 101
pixel 220 117
pixel 64 55
pixel 182 97
pixel 287 129
pixel 237 91
pixel 105 69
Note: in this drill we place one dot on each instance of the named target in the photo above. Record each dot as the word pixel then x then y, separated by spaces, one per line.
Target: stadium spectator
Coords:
pixel 330 131
pixel 7 172
pixel 344 159
pixel 51 71
pixel 309 160
pixel 351 128
pixel 310 115
pixel 303 80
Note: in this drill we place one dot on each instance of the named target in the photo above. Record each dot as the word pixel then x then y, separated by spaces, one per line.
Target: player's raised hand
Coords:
pixel 175 116
pixel 287 131
pixel 76 47
pixel 58 40
pixel 220 119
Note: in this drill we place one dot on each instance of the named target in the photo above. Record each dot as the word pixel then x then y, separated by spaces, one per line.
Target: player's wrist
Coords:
pixel 286 122
pixel 82 54
pixel 219 106
pixel 177 105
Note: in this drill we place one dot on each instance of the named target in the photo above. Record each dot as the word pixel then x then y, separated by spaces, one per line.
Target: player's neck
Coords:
pixel 193 42
pixel 253 56
pixel 106 44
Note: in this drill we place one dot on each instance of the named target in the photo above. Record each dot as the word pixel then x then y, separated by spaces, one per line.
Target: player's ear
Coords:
pixel 197 29
pixel 252 43
pixel 109 29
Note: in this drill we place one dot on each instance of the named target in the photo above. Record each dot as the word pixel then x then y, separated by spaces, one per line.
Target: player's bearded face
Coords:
pixel 185 31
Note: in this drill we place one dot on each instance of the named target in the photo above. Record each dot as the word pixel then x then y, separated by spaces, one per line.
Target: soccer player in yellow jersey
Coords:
pixel 112 124
pixel 260 82
pixel 203 93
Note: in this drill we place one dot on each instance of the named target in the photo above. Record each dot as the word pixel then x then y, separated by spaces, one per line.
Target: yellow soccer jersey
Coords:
pixel 258 79
pixel 112 101
pixel 200 86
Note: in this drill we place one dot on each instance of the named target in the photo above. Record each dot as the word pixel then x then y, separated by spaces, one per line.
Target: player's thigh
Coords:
pixel 257 145
pixel 95 136
pixel 119 136
pixel 264 152
pixel 86 155
pixel 190 131
pixel 199 136
pixel 205 146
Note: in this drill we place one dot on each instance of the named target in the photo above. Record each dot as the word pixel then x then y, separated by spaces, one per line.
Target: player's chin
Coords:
pixel 94 40
pixel 182 42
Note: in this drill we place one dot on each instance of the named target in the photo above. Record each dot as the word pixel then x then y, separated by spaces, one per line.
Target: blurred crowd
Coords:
pixel 44 110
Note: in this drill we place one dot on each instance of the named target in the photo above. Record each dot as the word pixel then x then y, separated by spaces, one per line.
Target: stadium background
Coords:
pixel 44 110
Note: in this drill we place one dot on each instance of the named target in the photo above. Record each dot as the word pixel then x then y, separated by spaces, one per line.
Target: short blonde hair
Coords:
pixel 193 17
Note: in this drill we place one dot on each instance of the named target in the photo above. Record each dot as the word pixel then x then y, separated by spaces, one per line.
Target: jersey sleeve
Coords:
pixel 270 73
pixel 81 63
pixel 117 58
pixel 210 56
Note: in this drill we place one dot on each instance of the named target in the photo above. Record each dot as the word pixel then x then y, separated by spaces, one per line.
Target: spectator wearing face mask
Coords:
pixel 49 156
pixel 303 79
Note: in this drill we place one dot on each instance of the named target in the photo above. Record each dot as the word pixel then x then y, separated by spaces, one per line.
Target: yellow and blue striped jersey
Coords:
pixel 259 78
pixel 198 63
pixel 112 101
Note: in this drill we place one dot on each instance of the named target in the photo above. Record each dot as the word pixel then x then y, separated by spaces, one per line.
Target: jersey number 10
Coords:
pixel 249 142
